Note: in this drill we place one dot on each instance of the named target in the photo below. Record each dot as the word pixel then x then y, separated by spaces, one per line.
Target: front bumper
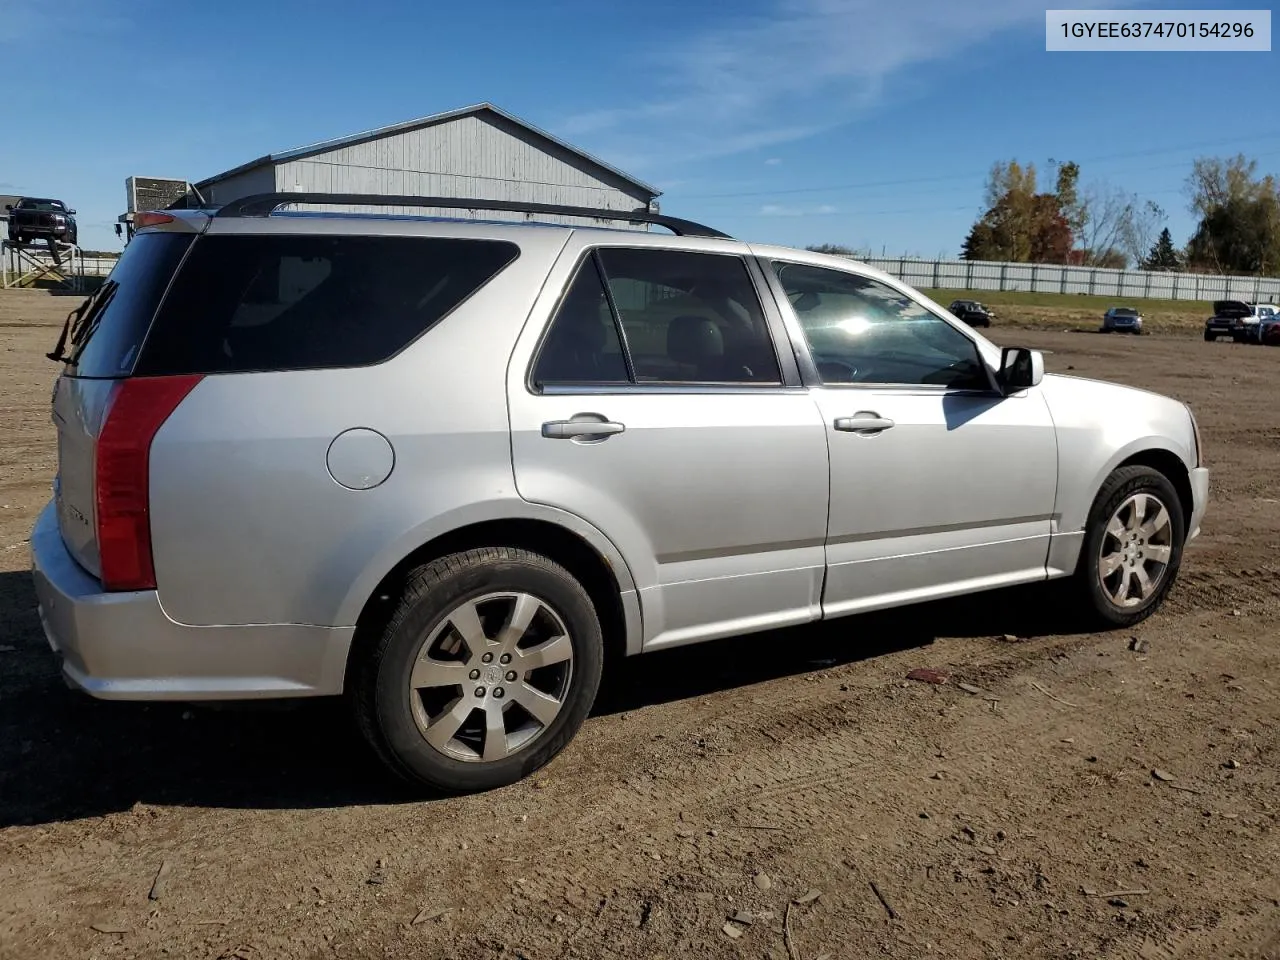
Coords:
pixel 1199 500
pixel 122 646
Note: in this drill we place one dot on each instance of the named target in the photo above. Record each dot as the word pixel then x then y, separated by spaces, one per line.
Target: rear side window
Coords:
pixel 243 303
pixel 116 325
pixel 659 316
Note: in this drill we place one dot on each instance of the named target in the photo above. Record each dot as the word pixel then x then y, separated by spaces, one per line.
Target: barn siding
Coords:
pixel 482 156
pixel 258 180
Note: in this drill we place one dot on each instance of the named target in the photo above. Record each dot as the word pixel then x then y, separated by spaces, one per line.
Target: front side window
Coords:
pixel 659 316
pixel 860 330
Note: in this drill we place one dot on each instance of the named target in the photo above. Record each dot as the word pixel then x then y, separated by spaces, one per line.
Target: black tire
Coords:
pixel 1087 585
pixel 1209 338
pixel 380 692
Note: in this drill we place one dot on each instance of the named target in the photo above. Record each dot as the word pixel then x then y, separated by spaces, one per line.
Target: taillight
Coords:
pixel 151 218
pixel 136 412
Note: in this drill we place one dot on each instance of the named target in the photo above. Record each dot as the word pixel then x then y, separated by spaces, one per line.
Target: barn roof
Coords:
pixel 324 146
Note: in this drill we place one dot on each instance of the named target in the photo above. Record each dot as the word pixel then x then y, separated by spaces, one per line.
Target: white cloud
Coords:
pixel 25 20
pixel 773 161
pixel 784 210
pixel 806 66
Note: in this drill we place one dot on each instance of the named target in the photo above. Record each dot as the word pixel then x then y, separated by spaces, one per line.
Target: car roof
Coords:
pixel 336 223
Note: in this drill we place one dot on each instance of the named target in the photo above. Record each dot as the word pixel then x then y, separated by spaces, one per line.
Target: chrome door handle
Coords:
pixel 864 423
pixel 573 429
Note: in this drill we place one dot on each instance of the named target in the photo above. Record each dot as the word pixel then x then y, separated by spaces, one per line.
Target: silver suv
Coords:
pixel 441 465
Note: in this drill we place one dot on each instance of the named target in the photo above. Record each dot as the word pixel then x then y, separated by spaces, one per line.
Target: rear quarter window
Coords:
pixel 113 337
pixel 246 303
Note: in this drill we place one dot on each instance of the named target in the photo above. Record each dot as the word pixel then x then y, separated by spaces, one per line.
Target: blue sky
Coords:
pixel 793 121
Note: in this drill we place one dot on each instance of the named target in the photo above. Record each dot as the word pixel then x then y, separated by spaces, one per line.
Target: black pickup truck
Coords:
pixel 35 218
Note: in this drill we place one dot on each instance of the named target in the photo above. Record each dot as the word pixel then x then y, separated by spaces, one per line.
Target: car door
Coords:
pixel 939 484
pixel 651 401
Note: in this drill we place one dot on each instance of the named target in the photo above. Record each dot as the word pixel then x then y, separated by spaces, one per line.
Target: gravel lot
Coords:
pixel 1021 821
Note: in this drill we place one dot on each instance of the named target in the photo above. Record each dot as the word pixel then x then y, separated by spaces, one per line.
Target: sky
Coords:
pixel 866 123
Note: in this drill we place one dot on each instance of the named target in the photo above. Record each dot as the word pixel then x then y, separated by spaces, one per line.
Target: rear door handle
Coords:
pixel 575 429
pixel 865 423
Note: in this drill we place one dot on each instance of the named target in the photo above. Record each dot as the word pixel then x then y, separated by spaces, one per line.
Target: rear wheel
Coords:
pixel 1132 547
pixel 486 670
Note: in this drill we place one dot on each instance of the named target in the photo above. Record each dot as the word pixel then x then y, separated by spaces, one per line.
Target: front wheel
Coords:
pixel 1132 547
pixel 487 669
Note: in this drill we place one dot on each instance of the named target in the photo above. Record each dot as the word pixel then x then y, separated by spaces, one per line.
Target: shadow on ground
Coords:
pixel 64 755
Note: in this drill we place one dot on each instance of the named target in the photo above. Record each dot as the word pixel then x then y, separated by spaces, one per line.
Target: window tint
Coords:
pixel 115 329
pixel 690 317
pixel 305 302
pixel 684 318
pixel 863 331
pixel 583 345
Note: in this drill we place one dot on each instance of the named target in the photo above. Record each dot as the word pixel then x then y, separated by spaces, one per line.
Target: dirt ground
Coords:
pixel 1021 821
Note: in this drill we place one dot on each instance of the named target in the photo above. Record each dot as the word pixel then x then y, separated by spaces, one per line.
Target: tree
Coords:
pixel 1110 258
pixel 833 248
pixel 1163 254
pixel 1020 224
pixel 1239 228
pixel 1115 223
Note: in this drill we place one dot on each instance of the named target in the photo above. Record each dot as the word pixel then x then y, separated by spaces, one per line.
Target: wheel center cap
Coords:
pixel 491 674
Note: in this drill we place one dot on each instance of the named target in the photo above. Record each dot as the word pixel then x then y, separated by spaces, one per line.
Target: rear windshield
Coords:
pixel 244 303
pixel 114 331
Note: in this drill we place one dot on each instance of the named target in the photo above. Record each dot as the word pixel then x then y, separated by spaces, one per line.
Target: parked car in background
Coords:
pixel 495 450
pixel 1269 330
pixel 972 312
pixel 1122 320
pixel 1232 318
pixel 1252 325
pixel 35 218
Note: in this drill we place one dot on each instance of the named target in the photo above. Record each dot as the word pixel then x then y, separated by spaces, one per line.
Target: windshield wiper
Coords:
pixel 77 319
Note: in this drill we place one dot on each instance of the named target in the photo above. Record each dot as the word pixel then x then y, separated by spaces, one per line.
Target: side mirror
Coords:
pixel 8 206
pixel 71 213
pixel 1020 368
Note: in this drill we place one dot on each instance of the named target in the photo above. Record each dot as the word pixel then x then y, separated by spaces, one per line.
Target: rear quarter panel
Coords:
pixel 248 525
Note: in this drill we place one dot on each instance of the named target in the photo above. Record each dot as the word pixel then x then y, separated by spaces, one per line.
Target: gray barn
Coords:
pixel 476 152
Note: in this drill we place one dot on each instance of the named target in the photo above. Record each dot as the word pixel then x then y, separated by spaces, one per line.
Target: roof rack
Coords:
pixel 263 204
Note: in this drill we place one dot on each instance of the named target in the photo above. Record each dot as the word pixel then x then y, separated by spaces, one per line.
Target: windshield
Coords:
pixel 49 206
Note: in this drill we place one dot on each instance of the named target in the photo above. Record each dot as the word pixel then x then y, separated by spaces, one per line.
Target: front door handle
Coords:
pixel 863 423
pixel 577 429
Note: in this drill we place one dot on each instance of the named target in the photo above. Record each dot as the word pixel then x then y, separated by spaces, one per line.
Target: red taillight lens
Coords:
pixel 150 218
pixel 137 410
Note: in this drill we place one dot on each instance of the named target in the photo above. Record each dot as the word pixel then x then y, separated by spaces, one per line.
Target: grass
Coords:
pixel 1073 311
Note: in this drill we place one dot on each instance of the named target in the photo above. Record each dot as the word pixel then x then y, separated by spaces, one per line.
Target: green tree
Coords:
pixel 833 248
pixel 1239 214
pixel 1163 254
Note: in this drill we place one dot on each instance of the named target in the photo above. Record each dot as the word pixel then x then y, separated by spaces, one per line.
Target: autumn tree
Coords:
pixel 1020 224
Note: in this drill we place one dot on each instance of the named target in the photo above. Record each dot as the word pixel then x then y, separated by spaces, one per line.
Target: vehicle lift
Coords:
pixel 25 265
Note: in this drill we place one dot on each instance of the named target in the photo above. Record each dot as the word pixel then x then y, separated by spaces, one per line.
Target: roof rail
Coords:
pixel 263 204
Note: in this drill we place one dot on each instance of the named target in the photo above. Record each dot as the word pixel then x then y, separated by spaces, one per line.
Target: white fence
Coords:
pixel 1097 281
pixel 99 266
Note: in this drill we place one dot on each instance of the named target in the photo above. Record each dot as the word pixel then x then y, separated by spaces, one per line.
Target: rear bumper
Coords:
pixel 122 646
pixel 1199 500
